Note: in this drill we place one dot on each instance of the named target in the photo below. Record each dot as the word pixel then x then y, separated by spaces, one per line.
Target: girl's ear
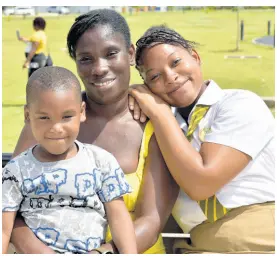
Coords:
pixel 83 112
pixel 26 114
pixel 132 53
pixel 196 56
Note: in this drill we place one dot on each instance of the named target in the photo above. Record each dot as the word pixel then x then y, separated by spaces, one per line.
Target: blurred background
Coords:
pixel 236 45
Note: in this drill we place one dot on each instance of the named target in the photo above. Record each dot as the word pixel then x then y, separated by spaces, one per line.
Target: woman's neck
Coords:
pixel 108 111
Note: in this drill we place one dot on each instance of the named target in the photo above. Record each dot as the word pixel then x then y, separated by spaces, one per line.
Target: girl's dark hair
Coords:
pixel 160 35
pixel 92 19
pixel 39 22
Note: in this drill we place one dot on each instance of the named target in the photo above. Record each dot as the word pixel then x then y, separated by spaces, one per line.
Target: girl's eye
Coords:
pixel 175 62
pixel 154 77
pixel 43 117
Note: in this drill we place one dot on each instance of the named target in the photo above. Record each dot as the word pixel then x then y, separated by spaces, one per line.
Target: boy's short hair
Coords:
pixel 52 78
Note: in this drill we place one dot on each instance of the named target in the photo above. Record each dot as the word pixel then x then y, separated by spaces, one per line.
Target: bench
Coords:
pixel 170 231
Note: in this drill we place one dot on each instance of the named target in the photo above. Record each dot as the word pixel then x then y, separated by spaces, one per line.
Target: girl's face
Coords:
pixel 103 64
pixel 172 73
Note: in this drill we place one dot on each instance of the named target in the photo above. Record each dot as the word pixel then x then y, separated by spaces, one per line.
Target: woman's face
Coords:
pixel 103 64
pixel 172 73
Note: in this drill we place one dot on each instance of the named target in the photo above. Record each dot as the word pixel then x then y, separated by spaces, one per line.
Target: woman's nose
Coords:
pixel 100 68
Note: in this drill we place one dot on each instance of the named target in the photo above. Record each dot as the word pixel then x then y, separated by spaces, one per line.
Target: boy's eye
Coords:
pixel 68 116
pixel 43 117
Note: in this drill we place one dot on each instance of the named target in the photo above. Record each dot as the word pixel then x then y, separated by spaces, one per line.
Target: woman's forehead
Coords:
pixel 102 33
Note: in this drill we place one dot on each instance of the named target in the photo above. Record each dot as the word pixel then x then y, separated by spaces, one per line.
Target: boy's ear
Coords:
pixel 83 112
pixel 132 53
pixel 26 114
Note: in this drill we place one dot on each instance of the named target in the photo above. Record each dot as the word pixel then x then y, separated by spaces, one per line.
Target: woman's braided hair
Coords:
pixel 160 35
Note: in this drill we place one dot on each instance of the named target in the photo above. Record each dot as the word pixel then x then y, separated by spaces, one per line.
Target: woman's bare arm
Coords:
pixel 25 141
pixel 156 199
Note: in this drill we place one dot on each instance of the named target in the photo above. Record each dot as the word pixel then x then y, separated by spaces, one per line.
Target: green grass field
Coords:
pixel 215 31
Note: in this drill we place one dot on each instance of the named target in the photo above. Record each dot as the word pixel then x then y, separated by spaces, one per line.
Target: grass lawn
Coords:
pixel 215 31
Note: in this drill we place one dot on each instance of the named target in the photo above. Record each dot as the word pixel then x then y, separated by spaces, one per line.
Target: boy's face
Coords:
pixel 55 119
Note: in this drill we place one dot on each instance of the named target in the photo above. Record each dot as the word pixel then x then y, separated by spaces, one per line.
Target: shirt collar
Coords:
pixel 210 96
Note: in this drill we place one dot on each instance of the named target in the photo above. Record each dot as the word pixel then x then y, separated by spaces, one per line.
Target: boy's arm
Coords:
pixel 121 226
pixel 25 241
pixel 7 225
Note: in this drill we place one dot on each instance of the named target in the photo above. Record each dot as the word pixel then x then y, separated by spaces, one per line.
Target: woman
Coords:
pixel 36 49
pixel 222 157
pixel 99 42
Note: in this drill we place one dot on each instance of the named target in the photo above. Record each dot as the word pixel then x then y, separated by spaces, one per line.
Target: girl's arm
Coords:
pixel 238 136
pixel 7 225
pixel 121 226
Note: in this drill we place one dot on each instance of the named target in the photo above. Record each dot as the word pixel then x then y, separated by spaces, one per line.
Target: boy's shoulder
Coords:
pixel 24 156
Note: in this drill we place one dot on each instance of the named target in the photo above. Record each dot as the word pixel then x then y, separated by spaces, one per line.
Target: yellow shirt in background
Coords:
pixel 40 37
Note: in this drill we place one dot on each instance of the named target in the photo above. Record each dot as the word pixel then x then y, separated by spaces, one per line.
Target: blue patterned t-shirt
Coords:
pixel 62 202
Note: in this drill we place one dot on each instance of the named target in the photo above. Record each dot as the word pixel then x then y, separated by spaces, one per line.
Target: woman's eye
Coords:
pixel 67 117
pixel 175 62
pixel 112 53
pixel 85 60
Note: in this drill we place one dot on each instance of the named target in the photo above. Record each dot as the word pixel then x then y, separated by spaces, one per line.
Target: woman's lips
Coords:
pixel 103 83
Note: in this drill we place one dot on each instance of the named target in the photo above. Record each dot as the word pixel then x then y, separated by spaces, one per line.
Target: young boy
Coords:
pixel 63 188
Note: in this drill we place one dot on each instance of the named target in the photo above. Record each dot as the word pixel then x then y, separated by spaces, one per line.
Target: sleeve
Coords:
pixel 244 122
pixel 11 187
pixel 35 37
pixel 114 184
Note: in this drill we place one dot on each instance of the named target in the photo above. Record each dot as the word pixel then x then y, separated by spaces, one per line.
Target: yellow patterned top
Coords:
pixel 135 181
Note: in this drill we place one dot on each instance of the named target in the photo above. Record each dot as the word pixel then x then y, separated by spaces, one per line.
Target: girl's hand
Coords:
pixel 149 103
pixel 137 112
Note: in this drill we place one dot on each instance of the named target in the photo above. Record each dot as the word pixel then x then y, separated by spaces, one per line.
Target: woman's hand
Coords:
pixel 148 103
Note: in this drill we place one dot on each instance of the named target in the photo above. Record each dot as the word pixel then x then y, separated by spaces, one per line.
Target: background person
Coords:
pixel 222 157
pixel 36 48
pixel 99 42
